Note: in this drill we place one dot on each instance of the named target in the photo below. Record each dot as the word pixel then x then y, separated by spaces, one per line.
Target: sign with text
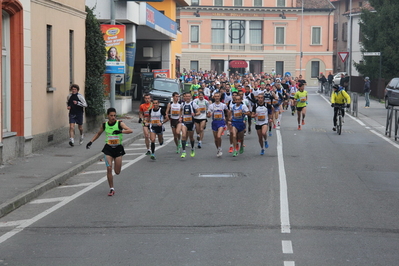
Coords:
pixel 371 54
pixel 114 36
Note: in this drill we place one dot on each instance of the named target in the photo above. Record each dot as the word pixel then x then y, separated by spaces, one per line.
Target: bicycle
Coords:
pixel 341 110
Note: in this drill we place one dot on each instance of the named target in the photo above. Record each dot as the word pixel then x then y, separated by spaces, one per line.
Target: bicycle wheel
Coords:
pixel 339 124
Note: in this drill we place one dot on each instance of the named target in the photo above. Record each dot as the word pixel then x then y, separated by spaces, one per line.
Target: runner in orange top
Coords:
pixel 144 112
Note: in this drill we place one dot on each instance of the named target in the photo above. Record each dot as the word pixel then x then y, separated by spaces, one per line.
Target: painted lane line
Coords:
pixel 77 185
pixel 12 223
pixel 40 201
pixel 287 247
pixel 289 263
pixel 385 138
pixel 31 221
pixel 93 172
pixel 284 208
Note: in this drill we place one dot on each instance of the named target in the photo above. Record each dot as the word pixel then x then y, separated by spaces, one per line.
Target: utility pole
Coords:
pixel 301 47
pixel 350 46
pixel 112 80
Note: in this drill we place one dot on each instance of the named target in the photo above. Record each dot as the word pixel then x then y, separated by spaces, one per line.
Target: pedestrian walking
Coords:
pixel 367 91
pixel 75 104
pixel 113 149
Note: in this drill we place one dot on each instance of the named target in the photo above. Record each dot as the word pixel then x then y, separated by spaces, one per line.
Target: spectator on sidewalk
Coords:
pixel 323 82
pixel 367 91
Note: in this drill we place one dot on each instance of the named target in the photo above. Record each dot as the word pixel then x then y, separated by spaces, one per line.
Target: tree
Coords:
pixel 95 65
pixel 380 33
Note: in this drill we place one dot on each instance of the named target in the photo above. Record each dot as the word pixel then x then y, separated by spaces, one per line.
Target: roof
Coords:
pixel 358 9
pixel 315 4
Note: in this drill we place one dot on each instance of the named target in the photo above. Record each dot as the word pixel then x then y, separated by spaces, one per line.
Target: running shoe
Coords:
pixel 199 145
pixel 153 156
pixel 278 123
pixel 81 139
pixel 192 153
pixel 266 144
pixel 231 150
pixel 303 122
pixel 235 153
pixel 71 142
pixel 178 149
pixel 262 152
pixel 334 128
pixel 161 143
pixel 299 127
pixel 183 154
pixel 292 113
pixel 111 192
pixel 198 137
pixel 148 152
pixel 219 153
pixel 228 133
pixel 242 150
pixel 274 126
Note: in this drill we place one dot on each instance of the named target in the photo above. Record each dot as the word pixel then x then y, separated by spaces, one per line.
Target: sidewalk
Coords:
pixel 23 179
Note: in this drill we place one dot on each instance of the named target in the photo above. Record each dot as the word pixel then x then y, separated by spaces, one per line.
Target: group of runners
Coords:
pixel 232 105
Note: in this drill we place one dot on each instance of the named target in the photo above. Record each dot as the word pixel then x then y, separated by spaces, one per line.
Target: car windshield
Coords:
pixel 163 85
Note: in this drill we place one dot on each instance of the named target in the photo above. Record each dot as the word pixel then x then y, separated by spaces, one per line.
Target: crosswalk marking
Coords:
pixel 40 201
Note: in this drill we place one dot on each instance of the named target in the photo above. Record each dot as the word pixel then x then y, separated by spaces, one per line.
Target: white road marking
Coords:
pixel 12 223
pixel 287 247
pixel 289 263
pixel 93 172
pixel 29 222
pixel 40 201
pixel 284 208
pixel 77 185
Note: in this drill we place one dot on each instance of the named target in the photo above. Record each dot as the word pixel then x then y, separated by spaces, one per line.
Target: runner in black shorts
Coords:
pixel 113 149
pixel 173 112
pixel 157 117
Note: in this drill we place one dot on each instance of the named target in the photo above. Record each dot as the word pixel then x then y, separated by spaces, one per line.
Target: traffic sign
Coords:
pixel 343 56
pixel 372 54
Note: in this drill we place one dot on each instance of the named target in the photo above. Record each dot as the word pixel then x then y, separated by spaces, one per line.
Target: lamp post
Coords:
pixel 112 79
pixel 300 60
pixel 350 46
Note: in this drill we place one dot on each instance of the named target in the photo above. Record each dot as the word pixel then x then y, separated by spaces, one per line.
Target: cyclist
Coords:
pixel 341 97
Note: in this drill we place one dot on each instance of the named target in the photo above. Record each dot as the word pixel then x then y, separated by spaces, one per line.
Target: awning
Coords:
pixel 238 64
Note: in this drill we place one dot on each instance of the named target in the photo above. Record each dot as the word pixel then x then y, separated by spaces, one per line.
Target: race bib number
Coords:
pixel 155 121
pixel 261 117
pixel 268 101
pixel 217 115
pixel 275 101
pixel 292 93
pixel 187 119
pixel 113 140
pixel 303 99
pixel 202 109
pixel 175 112
pixel 238 114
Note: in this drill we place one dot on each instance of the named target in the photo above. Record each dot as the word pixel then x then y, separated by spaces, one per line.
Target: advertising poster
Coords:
pixel 130 58
pixel 114 36
pixel 161 73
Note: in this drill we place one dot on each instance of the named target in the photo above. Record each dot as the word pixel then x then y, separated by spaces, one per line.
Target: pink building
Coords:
pixel 258 36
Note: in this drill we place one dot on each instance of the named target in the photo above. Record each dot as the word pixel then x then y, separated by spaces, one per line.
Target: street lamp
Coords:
pixel 300 60
pixel 350 46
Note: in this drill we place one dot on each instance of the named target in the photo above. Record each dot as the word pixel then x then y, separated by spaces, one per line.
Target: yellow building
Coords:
pixel 258 36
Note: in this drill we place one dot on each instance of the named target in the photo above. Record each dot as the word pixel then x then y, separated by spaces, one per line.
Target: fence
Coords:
pixel 377 87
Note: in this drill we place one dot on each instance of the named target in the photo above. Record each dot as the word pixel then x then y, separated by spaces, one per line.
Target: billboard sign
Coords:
pixel 114 36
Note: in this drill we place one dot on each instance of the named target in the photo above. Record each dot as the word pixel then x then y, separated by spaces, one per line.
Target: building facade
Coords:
pixel 258 36
pixel 41 56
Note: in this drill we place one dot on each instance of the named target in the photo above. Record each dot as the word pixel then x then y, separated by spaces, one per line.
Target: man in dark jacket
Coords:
pixel 366 91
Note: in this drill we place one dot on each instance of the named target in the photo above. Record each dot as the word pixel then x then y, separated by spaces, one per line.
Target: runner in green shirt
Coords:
pixel 301 101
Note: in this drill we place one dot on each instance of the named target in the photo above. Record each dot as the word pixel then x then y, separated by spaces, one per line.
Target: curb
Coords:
pixel 25 197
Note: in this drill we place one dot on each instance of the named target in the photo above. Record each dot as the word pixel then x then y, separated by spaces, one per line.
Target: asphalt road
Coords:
pixel 314 198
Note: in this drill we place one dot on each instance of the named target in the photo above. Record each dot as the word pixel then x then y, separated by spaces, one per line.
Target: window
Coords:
pixel 281 3
pixel 194 65
pixel 71 57
pixel 279 67
pixel 195 2
pixel 345 31
pixel 316 35
pixel 49 58
pixel 255 32
pixel 194 33
pixel 257 3
pixel 217 34
pixel 361 36
pixel 280 32
pixel 5 69
pixel 335 31
pixel 237 31
pixel 315 69
pixel 218 2
pixel 237 2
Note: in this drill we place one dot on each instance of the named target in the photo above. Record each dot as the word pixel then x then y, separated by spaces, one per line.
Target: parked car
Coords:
pixel 392 93
pixel 337 78
pixel 161 89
